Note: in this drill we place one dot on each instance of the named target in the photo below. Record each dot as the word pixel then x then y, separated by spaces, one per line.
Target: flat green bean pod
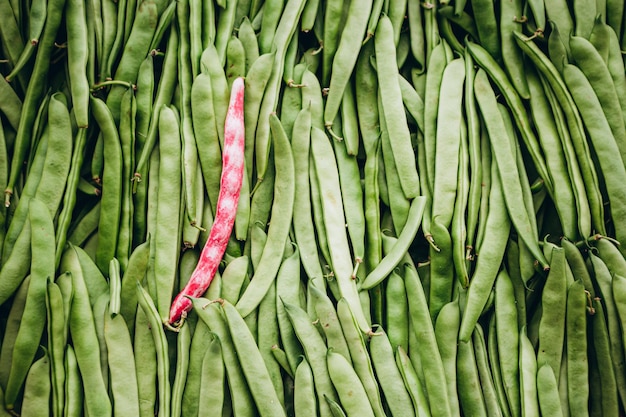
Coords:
pixel 393 258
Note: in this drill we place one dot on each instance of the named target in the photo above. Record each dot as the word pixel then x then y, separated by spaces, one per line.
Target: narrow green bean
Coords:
pixel 211 390
pixel 33 319
pixel 57 340
pixel 430 358
pixel 160 342
pixel 489 258
pixel 123 379
pixel 183 344
pixel 73 406
pixel 391 98
pixel 576 349
pixel 282 212
pixel 469 384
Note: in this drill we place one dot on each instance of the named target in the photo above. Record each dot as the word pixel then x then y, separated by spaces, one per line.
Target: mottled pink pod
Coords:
pixel 230 186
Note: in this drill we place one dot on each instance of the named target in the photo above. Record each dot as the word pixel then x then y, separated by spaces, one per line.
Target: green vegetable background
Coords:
pixel 432 219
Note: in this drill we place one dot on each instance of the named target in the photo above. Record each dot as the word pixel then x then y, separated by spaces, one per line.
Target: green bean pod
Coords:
pixel 160 342
pixel 86 346
pixel 602 278
pixel 346 56
pixel 508 340
pixel 211 390
pixel 146 369
pixel 490 257
pixel 253 365
pixel 57 339
pixel 135 50
pixel 282 212
pixel 212 314
pixel 37 390
pixel 183 344
pixel 446 333
pixel 13 320
pixel 34 94
pixel 391 98
pixel 111 193
pixel 314 348
pixel 73 406
pixel 590 62
pixel 469 384
pixel 33 319
pixel 576 349
pixel 547 390
pixel 77 57
pixel 388 375
pixel 598 127
pixel 351 393
pixel 168 209
pixel 430 358
pixel 552 324
pixel 123 379
pixel 575 124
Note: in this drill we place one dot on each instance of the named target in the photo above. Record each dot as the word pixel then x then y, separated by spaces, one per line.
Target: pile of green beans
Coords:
pixel 432 220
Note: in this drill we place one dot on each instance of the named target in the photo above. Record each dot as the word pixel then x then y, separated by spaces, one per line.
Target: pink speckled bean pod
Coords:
pixel 230 186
